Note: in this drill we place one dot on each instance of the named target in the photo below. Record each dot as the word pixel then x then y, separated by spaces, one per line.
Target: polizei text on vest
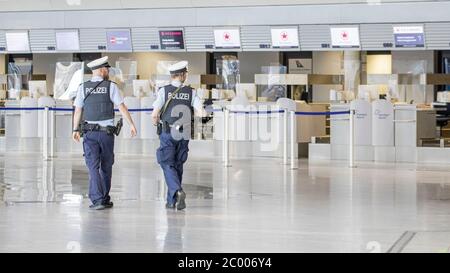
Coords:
pixel 98 90
pixel 180 96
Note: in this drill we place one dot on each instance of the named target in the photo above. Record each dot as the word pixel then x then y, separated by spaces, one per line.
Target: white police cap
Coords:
pixel 99 63
pixel 178 67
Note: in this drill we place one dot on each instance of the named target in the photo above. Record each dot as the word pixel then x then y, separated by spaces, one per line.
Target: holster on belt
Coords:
pixel 164 126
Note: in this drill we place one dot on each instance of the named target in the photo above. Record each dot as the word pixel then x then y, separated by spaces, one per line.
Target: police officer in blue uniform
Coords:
pixel 95 101
pixel 172 112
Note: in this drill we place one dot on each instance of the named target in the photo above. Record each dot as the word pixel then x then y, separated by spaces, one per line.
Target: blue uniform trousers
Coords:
pixel 171 155
pixel 99 155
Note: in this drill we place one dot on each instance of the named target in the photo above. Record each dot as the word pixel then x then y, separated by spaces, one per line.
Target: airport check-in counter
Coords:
pixel 411 125
pixel 21 126
pixel 383 132
pixel 63 128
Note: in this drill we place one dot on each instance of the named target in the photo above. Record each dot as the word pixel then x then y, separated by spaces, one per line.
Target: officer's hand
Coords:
pixel 76 136
pixel 133 131
pixel 155 120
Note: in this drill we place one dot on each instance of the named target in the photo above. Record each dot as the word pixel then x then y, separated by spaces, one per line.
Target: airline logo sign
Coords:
pixel 227 38
pixel 345 37
pixel 284 37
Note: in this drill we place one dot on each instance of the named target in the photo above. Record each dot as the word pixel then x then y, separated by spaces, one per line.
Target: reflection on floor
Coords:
pixel 257 205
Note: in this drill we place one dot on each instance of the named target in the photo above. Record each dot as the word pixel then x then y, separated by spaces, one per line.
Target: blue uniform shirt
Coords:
pixel 196 102
pixel 114 94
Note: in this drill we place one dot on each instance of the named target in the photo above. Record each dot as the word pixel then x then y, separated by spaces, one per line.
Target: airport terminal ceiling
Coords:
pixel 47 5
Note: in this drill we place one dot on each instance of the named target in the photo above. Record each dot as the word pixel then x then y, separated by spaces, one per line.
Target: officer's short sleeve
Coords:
pixel 115 95
pixel 160 99
pixel 79 99
pixel 196 101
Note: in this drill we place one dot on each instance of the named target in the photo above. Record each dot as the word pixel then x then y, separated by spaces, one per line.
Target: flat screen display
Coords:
pixel 409 36
pixel 171 39
pixel 227 38
pixel 67 41
pixel 345 37
pixel 17 41
pixel 284 37
pixel 118 40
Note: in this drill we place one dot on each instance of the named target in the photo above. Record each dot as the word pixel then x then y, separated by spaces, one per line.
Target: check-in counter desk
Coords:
pixel 339 130
pixel 21 126
pixel 411 125
pixel 383 132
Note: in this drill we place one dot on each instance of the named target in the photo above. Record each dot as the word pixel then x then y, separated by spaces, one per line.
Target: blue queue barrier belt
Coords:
pixel 322 113
pixel 63 109
pixel 21 108
pixel 296 113
pixel 257 112
pixel 60 109
pixel 151 109
pixel 137 110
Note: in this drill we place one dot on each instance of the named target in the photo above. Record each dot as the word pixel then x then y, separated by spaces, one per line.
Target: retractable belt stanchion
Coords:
pixel 352 139
pixel 223 136
pixel 52 133
pixel 45 134
pixel 285 137
pixel 226 137
pixel 293 140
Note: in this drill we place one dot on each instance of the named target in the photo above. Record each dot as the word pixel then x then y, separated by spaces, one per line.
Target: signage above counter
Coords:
pixel 345 37
pixel 284 38
pixel 409 36
pixel 17 41
pixel 67 40
pixel 171 39
pixel 227 38
pixel 118 40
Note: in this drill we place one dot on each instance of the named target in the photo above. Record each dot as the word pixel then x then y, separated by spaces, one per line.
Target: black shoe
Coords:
pixel 180 203
pixel 97 207
pixel 108 204
pixel 170 206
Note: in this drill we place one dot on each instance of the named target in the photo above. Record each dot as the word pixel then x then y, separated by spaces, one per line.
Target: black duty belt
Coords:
pixel 166 127
pixel 88 127
pixel 110 130
pixel 93 127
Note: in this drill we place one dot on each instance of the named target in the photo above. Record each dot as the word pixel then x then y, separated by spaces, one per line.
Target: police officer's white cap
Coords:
pixel 178 67
pixel 99 63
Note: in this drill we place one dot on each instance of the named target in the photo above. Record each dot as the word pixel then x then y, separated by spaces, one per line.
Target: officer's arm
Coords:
pixel 155 116
pixel 77 118
pixel 124 111
pixel 157 106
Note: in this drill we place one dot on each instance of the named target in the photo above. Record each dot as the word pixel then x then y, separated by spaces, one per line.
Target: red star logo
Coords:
pixel 344 35
pixel 226 36
pixel 284 36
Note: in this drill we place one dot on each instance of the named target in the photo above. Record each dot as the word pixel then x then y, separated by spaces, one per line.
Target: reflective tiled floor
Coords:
pixel 257 205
